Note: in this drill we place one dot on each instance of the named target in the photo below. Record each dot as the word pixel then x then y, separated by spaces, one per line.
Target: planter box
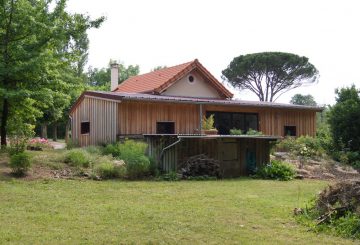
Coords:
pixel 207 132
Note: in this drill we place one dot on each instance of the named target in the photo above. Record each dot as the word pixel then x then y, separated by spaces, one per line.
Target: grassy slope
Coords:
pixel 211 212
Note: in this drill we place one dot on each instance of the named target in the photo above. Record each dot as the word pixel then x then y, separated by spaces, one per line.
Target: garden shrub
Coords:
pixel 108 170
pixel 19 134
pixel 112 149
pixel 96 150
pixel 20 163
pixel 276 170
pixel 304 146
pixel 153 168
pixel 71 144
pixel 77 158
pixel 38 144
pixel 137 167
pixel 133 154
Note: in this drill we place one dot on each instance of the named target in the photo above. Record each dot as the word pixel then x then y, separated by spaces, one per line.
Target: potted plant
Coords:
pixel 208 125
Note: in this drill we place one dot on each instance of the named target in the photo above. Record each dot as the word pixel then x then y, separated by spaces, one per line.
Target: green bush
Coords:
pixel 276 170
pixel 77 158
pixel 253 132
pixel 112 149
pixel 71 144
pixel 96 150
pixel 20 163
pixel 236 131
pixel 304 146
pixel 108 170
pixel 133 154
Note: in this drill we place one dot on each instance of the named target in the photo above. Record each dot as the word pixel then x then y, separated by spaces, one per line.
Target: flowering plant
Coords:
pixel 38 144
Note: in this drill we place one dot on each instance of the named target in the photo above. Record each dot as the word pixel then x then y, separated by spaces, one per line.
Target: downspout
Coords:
pixel 166 148
pixel 200 118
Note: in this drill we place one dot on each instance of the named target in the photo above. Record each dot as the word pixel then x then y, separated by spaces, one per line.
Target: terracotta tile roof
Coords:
pixel 157 81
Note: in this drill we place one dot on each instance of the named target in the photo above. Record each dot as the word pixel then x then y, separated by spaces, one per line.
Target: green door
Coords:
pixel 251 158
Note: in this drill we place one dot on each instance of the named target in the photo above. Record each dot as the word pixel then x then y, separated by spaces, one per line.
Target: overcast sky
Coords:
pixel 164 32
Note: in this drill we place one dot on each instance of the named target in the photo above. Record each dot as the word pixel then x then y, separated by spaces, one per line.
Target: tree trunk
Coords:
pixel 67 129
pixel 44 130
pixel 4 119
pixel 55 132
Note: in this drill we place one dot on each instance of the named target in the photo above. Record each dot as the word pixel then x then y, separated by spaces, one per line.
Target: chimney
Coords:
pixel 114 75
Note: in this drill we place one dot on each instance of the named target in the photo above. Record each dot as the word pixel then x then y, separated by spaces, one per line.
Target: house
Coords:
pixel 166 107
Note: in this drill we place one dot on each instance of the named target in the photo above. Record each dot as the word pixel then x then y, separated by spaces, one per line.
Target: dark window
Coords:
pixel 165 128
pixel 290 130
pixel 85 127
pixel 191 79
pixel 224 121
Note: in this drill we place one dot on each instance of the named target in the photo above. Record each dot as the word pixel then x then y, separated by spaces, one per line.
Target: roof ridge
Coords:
pixel 157 81
pixel 154 72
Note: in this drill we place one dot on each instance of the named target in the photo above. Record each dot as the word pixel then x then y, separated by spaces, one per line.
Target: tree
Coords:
pixel 158 68
pixel 344 119
pixel 39 40
pixel 99 79
pixel 299 99
pixel 269 74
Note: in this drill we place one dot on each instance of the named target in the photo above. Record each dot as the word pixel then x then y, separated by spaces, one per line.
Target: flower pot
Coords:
pixel 210 132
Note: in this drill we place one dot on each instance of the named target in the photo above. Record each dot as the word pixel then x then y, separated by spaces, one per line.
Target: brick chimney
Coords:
pixel 114 75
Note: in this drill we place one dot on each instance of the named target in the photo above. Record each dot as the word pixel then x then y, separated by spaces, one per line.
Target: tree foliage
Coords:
pixel 299 99
pixel 344 119
pixel 99 79
pixel 42 52
pixel 269 74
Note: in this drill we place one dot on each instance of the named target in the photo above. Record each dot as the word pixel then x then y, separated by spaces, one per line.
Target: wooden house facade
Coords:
pixel 168 106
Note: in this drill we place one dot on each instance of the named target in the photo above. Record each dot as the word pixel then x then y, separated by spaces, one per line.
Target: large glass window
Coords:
pixel 224 121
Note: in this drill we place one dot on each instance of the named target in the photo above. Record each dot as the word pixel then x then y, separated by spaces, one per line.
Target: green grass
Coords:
pixel 242 211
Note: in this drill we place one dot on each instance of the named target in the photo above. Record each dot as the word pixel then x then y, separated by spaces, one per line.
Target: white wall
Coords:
pixel 198 88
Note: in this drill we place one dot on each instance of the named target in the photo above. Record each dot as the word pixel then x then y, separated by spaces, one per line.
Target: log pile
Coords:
pixel 200 165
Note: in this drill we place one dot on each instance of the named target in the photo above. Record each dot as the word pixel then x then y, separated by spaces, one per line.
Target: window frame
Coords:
pixel 291 130
pixel 232 119
pixel 168 122
pixel 88 128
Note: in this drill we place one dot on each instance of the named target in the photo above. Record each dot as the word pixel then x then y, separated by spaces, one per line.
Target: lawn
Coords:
pixel 241 211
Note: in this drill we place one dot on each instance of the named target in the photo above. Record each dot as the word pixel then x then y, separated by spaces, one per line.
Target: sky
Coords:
pixel 171 32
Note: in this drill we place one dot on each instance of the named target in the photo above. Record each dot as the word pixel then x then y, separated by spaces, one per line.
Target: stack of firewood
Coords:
pixel 200 165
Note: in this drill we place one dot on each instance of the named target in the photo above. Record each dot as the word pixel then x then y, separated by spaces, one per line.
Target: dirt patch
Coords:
pixel 41 169
pixel 320 169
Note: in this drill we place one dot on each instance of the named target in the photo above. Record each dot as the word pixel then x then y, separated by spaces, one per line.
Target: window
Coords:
pixel 191 79
pixel 290 130
pixel 165 128
pixel 85 127
pixel 224 121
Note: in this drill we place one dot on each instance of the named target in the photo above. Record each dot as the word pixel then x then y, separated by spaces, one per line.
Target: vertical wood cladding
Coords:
pixel 102 116
pixel 141 117
pixel 138 117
